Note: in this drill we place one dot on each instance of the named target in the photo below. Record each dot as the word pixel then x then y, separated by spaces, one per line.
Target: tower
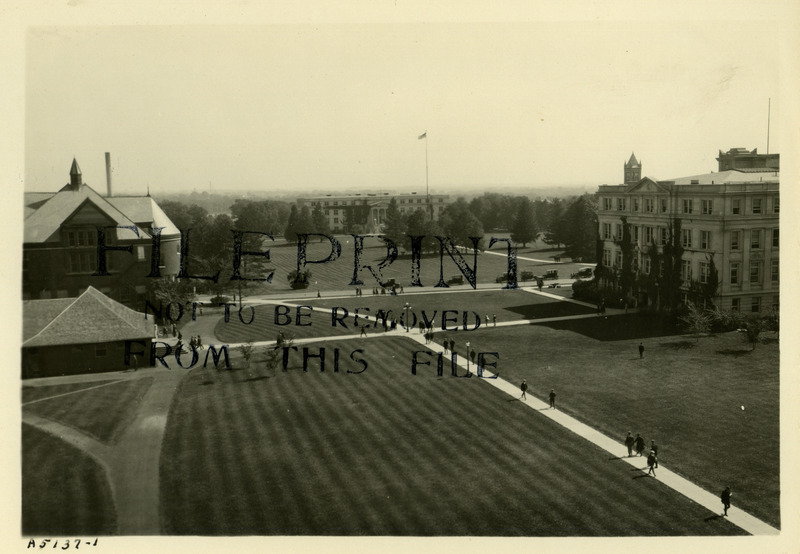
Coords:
pixel 632 171
pixel 75 178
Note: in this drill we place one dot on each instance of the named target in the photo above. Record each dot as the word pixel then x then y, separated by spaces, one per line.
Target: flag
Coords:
pixel 423 135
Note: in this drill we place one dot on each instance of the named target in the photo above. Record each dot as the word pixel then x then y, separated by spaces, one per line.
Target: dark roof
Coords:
pixel 632 161
pixel 91 318
pixel 75 169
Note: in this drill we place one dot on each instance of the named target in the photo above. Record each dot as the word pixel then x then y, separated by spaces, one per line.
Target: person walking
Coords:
pixel 453 346
pixel 629 443
pixel 639 442
pixel 487 320
pixel 135 362
pixel 651 462
pixel 641 350
pixel 494 320
pixel 726 500
pixel 523 387
pixel 654 448
pixel 553 399
pixel 363 331
pixel 446 345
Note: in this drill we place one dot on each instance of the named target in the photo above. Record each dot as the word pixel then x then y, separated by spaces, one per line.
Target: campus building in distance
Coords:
pixel 60 242
pixel 368 211
pixel 732 215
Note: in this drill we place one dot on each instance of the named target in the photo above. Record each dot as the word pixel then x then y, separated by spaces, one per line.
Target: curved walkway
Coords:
pixel 132 464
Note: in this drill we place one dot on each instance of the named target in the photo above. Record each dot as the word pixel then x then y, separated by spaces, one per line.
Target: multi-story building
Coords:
pixel 60 242
pixel 732 215
pixel 369 210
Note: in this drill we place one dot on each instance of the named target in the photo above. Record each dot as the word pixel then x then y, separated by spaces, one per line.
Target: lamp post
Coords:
pixel 467 356
pixel 407 307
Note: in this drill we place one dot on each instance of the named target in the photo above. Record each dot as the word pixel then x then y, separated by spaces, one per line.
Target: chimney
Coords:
pixel 108 173
pixel 75 179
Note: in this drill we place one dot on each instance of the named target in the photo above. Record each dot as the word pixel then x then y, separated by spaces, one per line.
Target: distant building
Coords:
pixel 632 171
pixel 60 242
pixel 88 334
pixel 368 211
pixel 741 159
pixel 732 215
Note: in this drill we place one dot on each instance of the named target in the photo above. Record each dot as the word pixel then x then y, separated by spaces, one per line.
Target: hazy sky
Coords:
pixel 340 106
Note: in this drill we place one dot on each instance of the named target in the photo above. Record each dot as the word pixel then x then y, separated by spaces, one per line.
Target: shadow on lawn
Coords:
pixel 678 345
pixel 735 352
pixel 619 327
pixel 549 309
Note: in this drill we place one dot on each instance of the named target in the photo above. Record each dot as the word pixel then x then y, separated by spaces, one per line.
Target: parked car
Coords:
pixel 551 274
pixel 456 280
pixel 583 273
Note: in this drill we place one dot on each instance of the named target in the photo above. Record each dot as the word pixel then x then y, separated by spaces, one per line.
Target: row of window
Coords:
pixel 688 236
pixel 735 276
pixel 364 201
pixel 86 261
pixel 687 205
pixel 755 304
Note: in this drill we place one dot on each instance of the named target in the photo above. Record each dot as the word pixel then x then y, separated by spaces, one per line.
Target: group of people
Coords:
pixel 494 320
pixel 638 443
pixel 552 396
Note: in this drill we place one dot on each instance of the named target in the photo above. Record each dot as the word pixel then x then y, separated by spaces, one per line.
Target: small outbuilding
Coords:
pixel 88 334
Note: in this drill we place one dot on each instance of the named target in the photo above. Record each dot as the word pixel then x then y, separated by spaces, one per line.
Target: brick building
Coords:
pixel 732 214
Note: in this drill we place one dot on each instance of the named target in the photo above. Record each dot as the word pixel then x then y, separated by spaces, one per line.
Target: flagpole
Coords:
pixel 427 193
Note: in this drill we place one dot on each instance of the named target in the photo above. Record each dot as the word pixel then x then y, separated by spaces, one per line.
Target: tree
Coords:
pixel 420 224
pixel 290 231
pixel 395 226
pixel 556 231
pixel 712 281
pixel 697 321
pixel 183 215
pixel 320 221
pixel 673 258
pixel 626 275
pixel 458 223
pixel 523 224
pixel 579 230
pixel 753 327
pixel 246 349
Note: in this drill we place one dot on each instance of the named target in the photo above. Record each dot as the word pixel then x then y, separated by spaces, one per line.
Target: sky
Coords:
pixel 340 106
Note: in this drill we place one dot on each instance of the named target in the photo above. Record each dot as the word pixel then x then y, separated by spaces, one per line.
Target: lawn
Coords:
pixel 64 492
pixel 385 452
pixel 336 275
pixel 686 395
pixel 103 413
pixel 31 393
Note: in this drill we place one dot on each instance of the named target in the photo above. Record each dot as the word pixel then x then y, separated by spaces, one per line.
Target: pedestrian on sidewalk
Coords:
pixel 494 320
pixel 641 350
pixel 363 331
pixel 654 448
pixel 523 387
pixel 651 462
pixel 639 442
pixel 487 320
pixel 446 344
pixel 629 443
pixel 453 346
pixel 553 399
pixel 726 500
pixel 135 362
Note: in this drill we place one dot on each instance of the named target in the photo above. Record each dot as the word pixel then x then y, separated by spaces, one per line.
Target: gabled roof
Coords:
pixel 45 221
pixel 35 200
pixel 91 318
pixel 144 211
pixel 647 183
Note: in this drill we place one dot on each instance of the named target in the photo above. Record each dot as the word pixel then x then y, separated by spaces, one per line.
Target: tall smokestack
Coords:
pixel 108 173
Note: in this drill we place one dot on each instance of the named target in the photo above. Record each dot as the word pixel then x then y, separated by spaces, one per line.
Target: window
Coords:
pixel 755 273
pixel 648 235
pixel 325 203
pixel 619 258
pixel 686 270
pixel 335 212
pixel 776 207
pixel 686 238
pixel 776 303
pixel 636 234
pixel 620 204
pixel 736 206
pixel 755 304
pixel 607 204
pixel 635 204
pixel 735 304
pixel 606 231
pixel 756 205
pixel 755 239
pixel 607 258
pixel 649 205
pixel 83 262
pixel 705 269
pixel 663 233
pixel 687 206
pixel 775 238
pixel 774 271
pixel 663 205
pixel 646 265
pixel 327 212
pixel 335 203
pixel 708 206
pixel 336 220
pixel 618 230
pixel 735 235
pixel 705 240
pixel 79 239
pixel 734 273
pixel 140 253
